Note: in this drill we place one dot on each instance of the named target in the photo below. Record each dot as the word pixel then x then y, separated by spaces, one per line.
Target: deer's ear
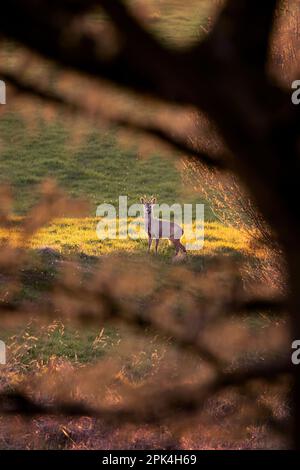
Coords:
pixel 142 200
pixel 153 200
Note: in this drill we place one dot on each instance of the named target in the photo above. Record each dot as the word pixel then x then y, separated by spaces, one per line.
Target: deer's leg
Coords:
pixel 149 243
pixel 156 245
pixel 176 244
pixel 182 247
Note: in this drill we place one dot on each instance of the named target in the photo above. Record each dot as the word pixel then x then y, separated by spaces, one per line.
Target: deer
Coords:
pixel 158 229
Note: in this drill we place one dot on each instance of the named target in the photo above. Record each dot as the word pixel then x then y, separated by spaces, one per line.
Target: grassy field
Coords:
pixel 72 238
pixel 96 168
pixel 177 22
pixel 78 235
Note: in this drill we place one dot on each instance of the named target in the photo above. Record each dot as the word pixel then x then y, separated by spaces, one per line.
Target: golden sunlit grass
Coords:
pixel 78 235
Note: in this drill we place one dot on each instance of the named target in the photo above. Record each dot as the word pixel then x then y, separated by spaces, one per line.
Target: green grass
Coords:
pixel 177 22
pixel 98 170
pixel 41 343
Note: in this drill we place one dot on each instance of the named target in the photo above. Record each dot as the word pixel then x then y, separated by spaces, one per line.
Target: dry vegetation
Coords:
pixel 109 332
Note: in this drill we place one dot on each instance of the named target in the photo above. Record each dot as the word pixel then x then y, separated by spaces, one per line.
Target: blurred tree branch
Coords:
pixel 156 408
pixel 175 141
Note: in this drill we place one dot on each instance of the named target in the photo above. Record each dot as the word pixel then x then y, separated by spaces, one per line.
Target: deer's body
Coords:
pixel 157 229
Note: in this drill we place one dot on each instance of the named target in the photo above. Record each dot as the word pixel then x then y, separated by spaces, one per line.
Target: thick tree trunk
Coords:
pixel 293 262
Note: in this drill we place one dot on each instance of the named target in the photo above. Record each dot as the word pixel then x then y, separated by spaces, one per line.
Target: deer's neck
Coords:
pixel 148 220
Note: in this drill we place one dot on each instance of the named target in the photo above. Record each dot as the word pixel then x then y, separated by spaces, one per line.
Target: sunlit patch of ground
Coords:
pixel 78 235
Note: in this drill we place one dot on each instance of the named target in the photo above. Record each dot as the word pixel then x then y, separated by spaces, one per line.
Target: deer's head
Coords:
pixel 148 204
